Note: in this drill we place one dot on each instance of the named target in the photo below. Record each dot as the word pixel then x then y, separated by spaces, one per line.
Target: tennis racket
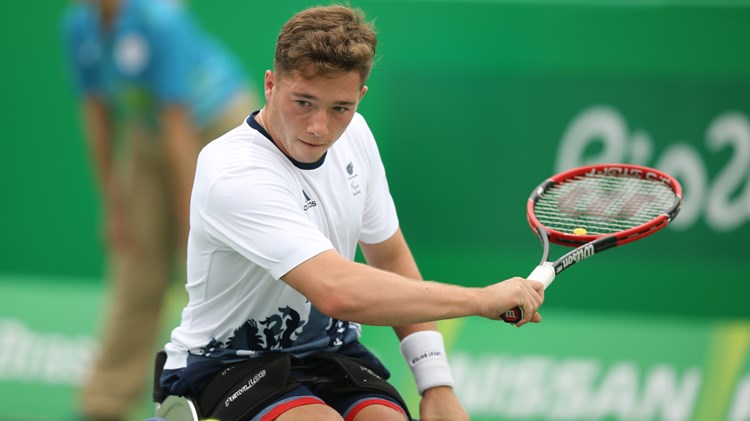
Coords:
pixel 595 208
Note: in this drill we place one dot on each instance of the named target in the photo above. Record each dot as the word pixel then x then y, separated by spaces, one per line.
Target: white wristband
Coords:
pixel 424 351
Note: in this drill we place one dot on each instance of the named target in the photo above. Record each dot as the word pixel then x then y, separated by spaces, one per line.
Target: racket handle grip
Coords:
pixel 542 273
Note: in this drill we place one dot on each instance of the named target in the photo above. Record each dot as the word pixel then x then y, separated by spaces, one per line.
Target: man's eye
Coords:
pixel 340 109
pixel 303 103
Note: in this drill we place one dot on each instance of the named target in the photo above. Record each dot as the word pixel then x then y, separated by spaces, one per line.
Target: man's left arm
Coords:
pixel 394 255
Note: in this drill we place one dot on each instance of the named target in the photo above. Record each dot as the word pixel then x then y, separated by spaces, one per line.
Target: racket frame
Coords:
pixel 623 237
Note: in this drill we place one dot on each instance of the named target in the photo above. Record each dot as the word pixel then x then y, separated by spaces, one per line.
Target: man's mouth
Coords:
pixel 313 145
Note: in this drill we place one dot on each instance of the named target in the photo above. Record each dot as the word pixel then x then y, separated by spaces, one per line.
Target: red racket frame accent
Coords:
pixel 623 237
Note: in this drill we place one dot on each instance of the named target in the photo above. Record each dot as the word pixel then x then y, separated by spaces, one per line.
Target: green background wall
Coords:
pixel 473 104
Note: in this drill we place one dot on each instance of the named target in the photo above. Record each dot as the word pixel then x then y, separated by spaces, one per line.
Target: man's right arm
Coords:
pixel 352 291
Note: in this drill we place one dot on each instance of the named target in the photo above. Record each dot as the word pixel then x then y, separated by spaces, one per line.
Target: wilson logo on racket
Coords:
pixel 578 254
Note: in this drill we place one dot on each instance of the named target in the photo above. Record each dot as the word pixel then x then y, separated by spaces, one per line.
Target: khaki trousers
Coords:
pixel 140 274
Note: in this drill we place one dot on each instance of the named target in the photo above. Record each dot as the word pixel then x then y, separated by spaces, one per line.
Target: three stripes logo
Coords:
pixel 309 203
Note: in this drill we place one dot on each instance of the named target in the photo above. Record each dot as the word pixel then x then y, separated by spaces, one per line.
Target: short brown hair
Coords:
pixel 326 41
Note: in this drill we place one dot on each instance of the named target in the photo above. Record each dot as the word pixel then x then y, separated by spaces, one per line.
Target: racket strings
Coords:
pixel 602 204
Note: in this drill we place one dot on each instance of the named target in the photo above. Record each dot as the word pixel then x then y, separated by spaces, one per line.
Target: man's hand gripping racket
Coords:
pixel 595 208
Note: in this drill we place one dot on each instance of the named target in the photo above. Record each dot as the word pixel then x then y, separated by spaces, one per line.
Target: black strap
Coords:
pixel 242 389
pixel 355 376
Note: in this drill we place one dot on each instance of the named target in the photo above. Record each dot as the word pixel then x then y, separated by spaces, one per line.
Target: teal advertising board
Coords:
pixel 579 366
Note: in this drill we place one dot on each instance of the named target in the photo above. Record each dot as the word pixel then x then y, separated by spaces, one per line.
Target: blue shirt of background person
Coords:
pixel 154 53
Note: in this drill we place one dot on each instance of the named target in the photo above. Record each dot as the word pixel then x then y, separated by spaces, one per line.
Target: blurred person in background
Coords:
pixel 154 88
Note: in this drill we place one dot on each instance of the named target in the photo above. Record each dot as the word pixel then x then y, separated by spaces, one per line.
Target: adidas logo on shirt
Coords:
pixel 309 203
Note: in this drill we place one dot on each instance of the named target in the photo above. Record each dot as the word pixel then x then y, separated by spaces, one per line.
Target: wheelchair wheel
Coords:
pixel 177 408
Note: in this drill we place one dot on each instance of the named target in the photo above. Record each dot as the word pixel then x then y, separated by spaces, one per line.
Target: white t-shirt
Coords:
pixel 255 214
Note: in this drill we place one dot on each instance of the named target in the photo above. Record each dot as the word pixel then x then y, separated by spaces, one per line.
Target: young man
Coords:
pixel 154 89
pixel 279 206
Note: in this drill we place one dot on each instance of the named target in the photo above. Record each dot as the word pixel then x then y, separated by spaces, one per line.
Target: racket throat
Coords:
pixel 544 273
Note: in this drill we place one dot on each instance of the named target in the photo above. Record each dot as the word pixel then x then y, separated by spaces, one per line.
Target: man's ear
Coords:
pixel 268 84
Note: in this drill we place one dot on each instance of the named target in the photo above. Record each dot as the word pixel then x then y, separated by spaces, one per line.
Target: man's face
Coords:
pixel 306 116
